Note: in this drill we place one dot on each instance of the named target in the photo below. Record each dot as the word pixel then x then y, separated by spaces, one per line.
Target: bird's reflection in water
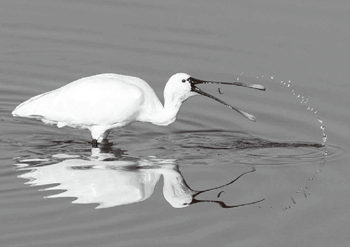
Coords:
pixel 108 182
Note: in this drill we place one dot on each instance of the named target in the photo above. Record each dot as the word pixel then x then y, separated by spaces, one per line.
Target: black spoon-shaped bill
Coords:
pixel 194 81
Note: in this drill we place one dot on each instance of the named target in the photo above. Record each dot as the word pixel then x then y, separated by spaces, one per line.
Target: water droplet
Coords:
pixel 305 194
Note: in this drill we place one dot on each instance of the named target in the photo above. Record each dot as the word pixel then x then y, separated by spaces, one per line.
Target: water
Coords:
pixel 172 186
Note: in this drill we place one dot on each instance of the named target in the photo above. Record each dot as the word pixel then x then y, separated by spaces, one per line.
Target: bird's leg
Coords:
pixel 94 143
pixel 99 134
pixel 102 139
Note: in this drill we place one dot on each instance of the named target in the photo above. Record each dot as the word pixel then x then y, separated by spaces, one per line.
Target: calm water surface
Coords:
pixel 210 178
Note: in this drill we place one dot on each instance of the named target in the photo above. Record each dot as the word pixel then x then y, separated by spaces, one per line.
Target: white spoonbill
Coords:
pixel 102 102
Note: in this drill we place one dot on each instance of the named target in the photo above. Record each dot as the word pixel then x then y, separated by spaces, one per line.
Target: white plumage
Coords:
pixel 106 101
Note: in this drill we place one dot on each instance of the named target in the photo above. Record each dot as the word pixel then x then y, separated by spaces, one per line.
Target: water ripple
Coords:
pixel 249 149
pixel 196 147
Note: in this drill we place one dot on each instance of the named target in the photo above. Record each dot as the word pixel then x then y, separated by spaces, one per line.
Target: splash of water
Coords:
pixel 303 100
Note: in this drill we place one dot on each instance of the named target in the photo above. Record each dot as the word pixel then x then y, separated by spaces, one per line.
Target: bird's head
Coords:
pixel 178 88
pixel 181 86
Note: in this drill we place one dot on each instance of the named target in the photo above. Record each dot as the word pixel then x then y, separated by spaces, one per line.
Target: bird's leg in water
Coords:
pixel 94 143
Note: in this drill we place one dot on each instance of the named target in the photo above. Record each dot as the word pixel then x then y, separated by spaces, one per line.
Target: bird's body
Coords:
pixel 106 101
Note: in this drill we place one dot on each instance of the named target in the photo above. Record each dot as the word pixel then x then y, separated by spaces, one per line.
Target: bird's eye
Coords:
pixel 183 80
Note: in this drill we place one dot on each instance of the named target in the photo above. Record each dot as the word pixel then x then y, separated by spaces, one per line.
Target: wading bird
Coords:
pixel 102 102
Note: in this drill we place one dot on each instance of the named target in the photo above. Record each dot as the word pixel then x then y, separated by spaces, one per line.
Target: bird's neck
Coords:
pixel 167 114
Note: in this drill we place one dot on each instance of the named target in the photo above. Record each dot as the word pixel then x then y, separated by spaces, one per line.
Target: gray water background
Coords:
pixel 46 44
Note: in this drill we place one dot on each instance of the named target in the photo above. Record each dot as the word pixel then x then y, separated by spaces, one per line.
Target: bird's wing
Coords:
pixel 96 100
